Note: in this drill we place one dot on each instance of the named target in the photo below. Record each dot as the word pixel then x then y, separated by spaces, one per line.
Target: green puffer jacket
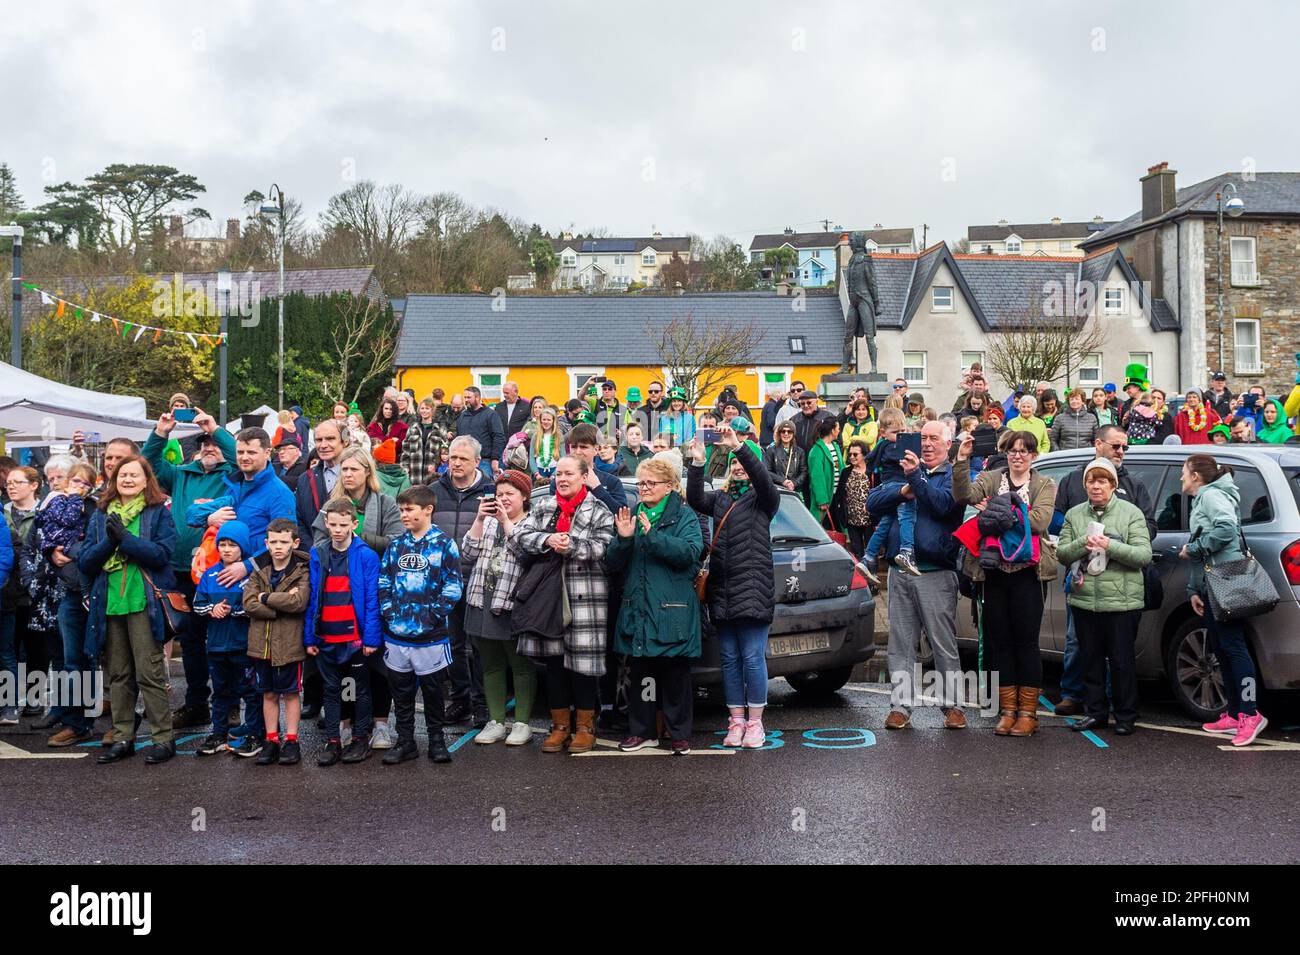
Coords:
pixel 660 615
pixel 1119 587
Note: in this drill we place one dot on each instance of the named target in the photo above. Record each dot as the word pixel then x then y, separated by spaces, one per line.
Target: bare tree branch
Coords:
pixel 1041 346
pixel 361 334
pixel 699 356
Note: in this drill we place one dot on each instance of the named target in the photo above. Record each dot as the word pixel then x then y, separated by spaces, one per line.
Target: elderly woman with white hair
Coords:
pixel 1028 420
pixel 1105 544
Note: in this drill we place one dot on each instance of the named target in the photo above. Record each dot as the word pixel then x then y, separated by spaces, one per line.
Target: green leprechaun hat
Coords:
pixel 1136 374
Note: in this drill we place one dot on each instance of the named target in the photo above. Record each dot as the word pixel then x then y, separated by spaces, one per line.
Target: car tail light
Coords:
pixel 859 580
pixel 1291 563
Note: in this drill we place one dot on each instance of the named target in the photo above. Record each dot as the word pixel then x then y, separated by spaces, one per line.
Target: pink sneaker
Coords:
pixel 1224 724
pixel 735 731
pixel 755 737
pixel 1251 726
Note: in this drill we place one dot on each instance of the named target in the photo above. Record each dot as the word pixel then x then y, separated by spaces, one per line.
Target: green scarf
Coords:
pixel 736 488
pixel 125 582
pixel 653 512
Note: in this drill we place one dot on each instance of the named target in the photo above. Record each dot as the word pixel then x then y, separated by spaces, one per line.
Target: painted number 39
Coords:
pixel 830 737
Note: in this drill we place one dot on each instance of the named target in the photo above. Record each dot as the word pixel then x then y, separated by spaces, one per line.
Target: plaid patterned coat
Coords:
pixel 420 450
pixel 583 645
pixel 475 560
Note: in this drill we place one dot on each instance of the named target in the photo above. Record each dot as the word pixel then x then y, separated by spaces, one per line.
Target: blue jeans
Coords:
pixel 72 630
pixel 905 514
pixel 9 651
pixel 232 681
pixel 742 648
pixel 1228 641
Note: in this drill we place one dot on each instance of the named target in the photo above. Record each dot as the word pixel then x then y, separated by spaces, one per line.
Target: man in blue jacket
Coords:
pixel 930 600
pixel 483 424
pixel 202 478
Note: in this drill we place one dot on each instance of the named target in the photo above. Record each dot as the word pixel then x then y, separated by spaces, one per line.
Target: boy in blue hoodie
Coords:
pixel 419 584
pixel 228 663
pixel 886 462
pixel 342 626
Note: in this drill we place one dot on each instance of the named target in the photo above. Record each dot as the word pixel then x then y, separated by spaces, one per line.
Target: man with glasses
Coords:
pixel 790 404
pixel 900 384
pixel 655 405
pixel 805 422
pixel 1111 444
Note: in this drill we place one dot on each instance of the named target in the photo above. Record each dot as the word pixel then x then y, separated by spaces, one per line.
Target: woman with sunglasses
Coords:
pixel 785 460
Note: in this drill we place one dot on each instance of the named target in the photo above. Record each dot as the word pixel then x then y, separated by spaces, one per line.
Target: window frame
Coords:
pixel 924 367
pixel 572 372
pixel 1082 366
pixel 1106 308
pixel 1253 278
pixel 1238 367
pixel 476 374
pixel 952 298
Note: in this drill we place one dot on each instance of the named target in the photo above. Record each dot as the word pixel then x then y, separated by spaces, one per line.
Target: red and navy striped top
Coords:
pixel 338 617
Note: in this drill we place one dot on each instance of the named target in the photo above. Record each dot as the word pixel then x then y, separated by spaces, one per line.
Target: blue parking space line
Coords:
pixel 1091 737
pixel 462 741
pixel 186 739
pixel 1046 703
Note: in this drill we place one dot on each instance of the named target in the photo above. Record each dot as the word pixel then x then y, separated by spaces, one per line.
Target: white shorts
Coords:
pixel 423 660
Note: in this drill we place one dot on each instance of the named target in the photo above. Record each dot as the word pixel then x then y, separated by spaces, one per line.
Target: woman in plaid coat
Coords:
pixel 576 526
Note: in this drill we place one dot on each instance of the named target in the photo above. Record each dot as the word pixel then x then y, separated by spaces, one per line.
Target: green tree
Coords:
pixel 136 195
pixel 544 261
pixel 780 261
pixel 11 200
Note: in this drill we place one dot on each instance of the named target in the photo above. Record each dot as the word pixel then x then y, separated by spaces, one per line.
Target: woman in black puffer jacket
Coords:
pixel 740 594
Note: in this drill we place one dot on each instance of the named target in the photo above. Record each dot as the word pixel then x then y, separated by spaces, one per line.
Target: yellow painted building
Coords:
pixel 549 345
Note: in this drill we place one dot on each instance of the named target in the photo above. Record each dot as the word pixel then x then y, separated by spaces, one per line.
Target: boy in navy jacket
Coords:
pixel 342 627
pixel 419 584
pixel 227 646
pixel 886 463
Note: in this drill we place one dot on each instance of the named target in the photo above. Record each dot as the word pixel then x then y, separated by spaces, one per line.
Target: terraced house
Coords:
pixel 613 264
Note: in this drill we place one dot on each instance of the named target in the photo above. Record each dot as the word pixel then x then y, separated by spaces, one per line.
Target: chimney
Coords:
pixel 788 231
pixel 1158 191
pixel 1003 222
pixel 783 288
pixel 175 227
pixel 1098 220
pixel 657 235
pixel 232 230
pixel 1056 220
pixel 877 226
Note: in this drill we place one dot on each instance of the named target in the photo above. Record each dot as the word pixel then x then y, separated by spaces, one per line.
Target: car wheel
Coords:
pixel 1194 673
pixel 819 682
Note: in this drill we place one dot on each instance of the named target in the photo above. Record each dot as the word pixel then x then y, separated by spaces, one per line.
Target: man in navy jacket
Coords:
pixel 927 601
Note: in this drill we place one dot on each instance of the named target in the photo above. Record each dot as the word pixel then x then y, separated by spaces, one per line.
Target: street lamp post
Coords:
pixel 278 209
pixel 1234 207
pixel 15 232
pixel 223 304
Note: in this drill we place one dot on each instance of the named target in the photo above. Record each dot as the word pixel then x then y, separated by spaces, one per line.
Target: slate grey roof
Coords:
pixel 312 282
pixel 1268 195
pixel 680 244
pixel 532 330
pixel 828 240
pixel 1034 230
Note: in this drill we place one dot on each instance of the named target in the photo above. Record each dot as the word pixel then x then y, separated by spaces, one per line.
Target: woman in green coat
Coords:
pixel 825 462
pixel 1106 593
pixel 658 549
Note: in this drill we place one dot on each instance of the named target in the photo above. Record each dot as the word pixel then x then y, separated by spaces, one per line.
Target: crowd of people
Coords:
pixel 335 572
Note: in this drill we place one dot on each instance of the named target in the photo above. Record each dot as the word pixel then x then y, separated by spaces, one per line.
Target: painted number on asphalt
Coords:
pixel 829 737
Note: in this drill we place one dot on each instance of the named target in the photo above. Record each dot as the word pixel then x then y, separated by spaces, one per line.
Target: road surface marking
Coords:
pixel 9 751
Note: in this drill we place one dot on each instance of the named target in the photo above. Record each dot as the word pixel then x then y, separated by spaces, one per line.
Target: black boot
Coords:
pixel 404 750
pixel 438 749
pixel 117 751
pixel 332 754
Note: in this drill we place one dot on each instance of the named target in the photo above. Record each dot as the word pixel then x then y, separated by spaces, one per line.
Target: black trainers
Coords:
pixel 248 746
pixel 358 750
pixel 310 711
pixel 213 744
pixel 401 753
pixel 457 712
pixel 290 753
pixel 480 718
pixel 191 715
pixel 332 754
pixel 438 749
pixel 270 754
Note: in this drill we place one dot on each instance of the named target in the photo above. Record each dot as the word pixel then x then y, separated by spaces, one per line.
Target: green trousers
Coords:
pixel 497 655
pixel 135 668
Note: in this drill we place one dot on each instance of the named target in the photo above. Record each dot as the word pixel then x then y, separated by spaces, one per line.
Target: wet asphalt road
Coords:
pixel 834 787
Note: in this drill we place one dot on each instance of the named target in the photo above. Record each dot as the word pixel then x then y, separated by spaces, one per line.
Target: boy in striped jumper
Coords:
pixel 342 626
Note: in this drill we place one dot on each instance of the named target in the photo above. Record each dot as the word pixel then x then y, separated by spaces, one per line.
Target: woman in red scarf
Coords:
pixel 1194 420
pixel 577 527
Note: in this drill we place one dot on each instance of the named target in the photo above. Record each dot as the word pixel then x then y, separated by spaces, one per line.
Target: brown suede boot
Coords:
pixel 1027 712
pixel 1006 710
pixel 559 735
pixel 584 735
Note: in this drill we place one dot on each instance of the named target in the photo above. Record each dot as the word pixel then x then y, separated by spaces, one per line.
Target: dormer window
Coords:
pixel 648 257
pixel 1013 245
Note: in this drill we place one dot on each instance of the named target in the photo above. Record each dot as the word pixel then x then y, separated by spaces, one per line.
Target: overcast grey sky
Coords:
pixel 718 117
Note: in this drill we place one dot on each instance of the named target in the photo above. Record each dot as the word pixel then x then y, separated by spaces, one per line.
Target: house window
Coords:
pixel 756 256
pixel 579 374
pixel 489 381
pixel 1245 346
pixel 805 275
pixel 941 298
pixel 772 379
pixel 618 260
pixel 914 367
pixel 569 259
pixel 1090 369
pixel 1013 246
pixel 797 345
pixel 647 258
pixel 1065 246
pixel 1142 358
pixel 1242 250
pixel 969 358
pixel 817 256
pixel 1114 301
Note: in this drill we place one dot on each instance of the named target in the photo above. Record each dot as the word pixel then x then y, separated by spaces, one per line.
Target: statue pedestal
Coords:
pixel 838 388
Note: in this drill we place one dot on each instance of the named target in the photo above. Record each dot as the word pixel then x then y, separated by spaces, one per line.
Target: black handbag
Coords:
pixel 1153 588
pixel 1239 589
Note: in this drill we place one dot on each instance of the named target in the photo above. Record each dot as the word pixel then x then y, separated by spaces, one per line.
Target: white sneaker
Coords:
pixel 382 736
pixel 9 716
pixel 520 734
pixel 494 732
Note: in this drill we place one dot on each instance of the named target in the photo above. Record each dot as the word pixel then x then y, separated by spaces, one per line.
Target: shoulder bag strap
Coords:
pixel 718 530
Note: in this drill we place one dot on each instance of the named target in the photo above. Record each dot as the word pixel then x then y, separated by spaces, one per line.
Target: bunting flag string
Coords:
pixel 121 326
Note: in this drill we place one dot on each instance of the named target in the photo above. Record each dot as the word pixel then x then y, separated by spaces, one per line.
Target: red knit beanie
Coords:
pixel 519 479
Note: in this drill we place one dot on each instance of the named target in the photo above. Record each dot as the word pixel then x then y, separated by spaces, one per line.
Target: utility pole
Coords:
pixel 826 225
pixel 925 232
pixel 15 232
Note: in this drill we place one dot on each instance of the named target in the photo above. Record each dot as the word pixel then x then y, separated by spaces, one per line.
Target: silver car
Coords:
pixel 1171 642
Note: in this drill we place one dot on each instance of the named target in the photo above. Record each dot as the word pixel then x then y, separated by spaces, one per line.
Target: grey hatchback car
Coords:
pixel 824 620
pixel 1171 642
